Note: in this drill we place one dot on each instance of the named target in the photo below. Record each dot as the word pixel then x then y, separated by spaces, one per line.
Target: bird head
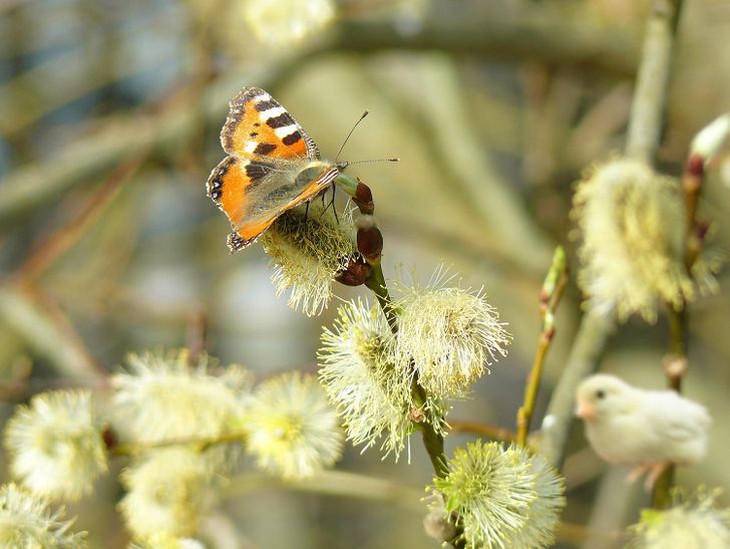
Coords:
pixel 601 394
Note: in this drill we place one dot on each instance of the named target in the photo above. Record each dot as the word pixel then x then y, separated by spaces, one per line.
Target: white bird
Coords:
pixel 648 430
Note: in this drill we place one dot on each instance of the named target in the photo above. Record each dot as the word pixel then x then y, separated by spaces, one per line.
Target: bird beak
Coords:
pixel 585 411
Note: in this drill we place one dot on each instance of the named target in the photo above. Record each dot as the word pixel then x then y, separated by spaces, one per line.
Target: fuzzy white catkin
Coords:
pixel 55 444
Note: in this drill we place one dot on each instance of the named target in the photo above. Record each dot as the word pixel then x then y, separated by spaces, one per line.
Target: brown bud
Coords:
pixel 355 273
pixel 109 437
pixel 370 242
pixel 364 198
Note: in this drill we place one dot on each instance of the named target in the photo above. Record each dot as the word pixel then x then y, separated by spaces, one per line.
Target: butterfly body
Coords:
pixel 272 166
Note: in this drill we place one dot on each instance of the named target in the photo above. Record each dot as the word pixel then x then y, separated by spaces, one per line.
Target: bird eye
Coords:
pixel 600 393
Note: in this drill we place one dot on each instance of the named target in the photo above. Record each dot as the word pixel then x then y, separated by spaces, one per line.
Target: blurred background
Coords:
pixel 109 119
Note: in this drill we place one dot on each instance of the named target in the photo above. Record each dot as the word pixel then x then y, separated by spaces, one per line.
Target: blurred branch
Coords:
pixel 544 38
pixel 474 176
pixel 606 118
pixel 650 95
pixel 333 483
pixel 642 142
pixel 81 161
pixel 47 330
pixel 575 535
pixel 65 237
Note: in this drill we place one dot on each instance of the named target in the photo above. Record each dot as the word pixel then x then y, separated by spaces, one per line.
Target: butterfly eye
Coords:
pixel 600 394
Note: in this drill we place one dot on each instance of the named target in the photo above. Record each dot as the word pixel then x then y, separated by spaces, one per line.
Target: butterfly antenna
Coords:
pixel 374 160
pixel 349 134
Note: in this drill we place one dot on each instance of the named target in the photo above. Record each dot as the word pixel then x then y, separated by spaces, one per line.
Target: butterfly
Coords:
pixel 272 166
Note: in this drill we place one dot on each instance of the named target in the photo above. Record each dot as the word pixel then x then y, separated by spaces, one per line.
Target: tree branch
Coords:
pixel 544 38
pixel 642 142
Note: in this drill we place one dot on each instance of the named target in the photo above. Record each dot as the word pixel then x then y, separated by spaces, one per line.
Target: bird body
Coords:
pixel 647 429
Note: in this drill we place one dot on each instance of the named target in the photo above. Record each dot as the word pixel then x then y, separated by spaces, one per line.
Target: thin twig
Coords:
pixel 489 431
pixel 583 360
pixel 334 483
pixel 676 362
pixel 552 291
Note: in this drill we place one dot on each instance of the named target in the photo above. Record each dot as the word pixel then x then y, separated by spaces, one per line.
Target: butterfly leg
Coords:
pixel 332 203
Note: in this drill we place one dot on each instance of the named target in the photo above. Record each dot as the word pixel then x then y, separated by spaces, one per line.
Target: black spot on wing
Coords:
pixel 292 138
pixel 266 105
pixel 264 148
pixel 284 119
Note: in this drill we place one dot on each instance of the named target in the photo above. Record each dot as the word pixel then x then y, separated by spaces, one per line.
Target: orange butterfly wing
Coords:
pixel 273 166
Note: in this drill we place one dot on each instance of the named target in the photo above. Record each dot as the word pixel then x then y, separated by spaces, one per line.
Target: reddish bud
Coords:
pixel 370 242
pixel 695 165
pixel 109 437
pixel 364 198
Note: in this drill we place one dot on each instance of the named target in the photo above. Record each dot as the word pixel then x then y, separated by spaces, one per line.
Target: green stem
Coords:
pixel 524 414
pixel 434 443
pixel 552 291
pixel 432 440
pixel 376 283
